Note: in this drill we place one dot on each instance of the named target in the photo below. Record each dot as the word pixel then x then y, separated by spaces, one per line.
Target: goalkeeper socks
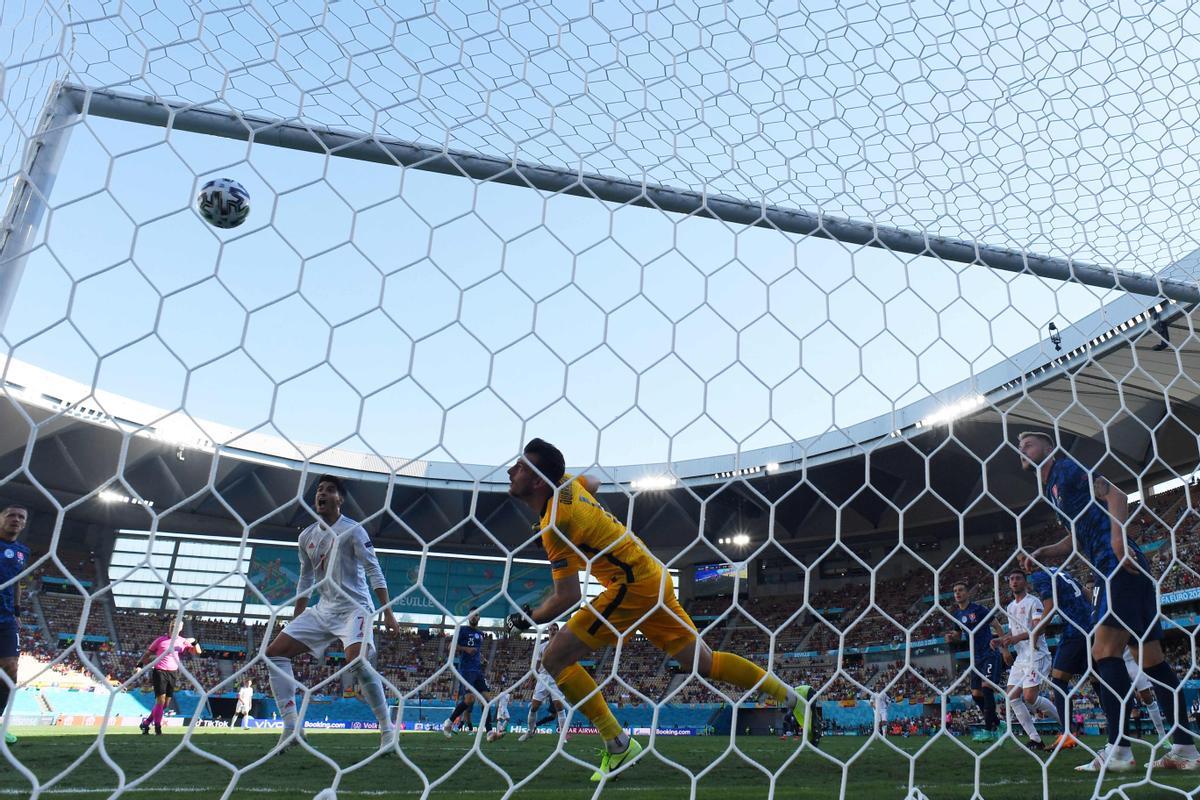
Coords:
pixel 576 685
pixel 1171 701
pixel 1112 686
pixel 371 688
pixel 283 687
pixel 734 669
pixel 1021 712
pixel 1062 702
pixel 1049 709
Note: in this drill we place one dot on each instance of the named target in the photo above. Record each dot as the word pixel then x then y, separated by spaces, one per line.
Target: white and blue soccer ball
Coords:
pixel 224 203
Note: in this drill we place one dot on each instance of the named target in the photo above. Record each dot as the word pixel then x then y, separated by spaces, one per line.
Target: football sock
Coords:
pixel 576 684
pixel 532 723
pixel 457 712
pixel 1062 702
pixel 991 720
pixel 1171 701
pixel 1156 717
pixel 745 674
pixel 1048 708
pixel 371 688
pixel 1112 685
pixel 562 720
pixel 4 692
pixel 283 687
pixel 1021 712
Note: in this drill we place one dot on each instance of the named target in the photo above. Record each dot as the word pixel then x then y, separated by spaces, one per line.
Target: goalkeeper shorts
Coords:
pixel 623 607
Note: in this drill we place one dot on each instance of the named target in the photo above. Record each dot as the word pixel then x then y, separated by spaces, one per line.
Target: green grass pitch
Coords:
pixel 941 769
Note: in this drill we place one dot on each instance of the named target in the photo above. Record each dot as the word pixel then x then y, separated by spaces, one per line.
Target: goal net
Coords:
pixel 787 288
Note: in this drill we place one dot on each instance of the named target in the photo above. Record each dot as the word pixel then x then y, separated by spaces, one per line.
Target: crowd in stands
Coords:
pixel 799 642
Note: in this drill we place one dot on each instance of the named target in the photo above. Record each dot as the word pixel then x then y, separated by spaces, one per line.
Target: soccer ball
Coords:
pixel 494 735
pixel 224 203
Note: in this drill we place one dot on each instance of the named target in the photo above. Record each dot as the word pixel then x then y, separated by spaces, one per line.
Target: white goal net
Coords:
pixel 787 288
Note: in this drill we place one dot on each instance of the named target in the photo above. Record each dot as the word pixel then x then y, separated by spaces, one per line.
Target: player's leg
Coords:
pixel 1016 703
pixel 561 659
pixel 1171 701
pixel 358 645
pixel 9 662
pixel 560 713
pixel 1112 687
pixel 534 705
pixel 280 652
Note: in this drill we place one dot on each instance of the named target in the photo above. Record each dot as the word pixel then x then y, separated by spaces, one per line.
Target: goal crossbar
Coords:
pixel 384 150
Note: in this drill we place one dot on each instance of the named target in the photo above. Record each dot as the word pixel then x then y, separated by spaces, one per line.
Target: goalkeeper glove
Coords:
pixel 520 621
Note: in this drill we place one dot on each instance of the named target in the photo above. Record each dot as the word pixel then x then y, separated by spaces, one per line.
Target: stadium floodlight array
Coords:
pixel 784 279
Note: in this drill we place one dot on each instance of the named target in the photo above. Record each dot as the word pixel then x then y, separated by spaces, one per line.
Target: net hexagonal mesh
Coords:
pixel 785 287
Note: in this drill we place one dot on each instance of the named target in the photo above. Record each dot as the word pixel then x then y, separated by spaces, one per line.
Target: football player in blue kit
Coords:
pixel 14 559
pixel 1094 513
pixel 987 665
pixel 1058 589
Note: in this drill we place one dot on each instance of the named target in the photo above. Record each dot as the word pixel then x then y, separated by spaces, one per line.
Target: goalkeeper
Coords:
pixel 577 533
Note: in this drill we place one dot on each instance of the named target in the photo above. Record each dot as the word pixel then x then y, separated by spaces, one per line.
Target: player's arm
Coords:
pixel 364 551
pixel 590 482
pixel 305 583
pixel 194 646
pixel 146 658
pixel 1118 511
pixel 1054 550
pixel 566 596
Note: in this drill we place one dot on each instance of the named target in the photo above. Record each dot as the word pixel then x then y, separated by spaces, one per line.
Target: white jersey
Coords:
pixel 540 672
pixel 245 699
pixel 339 562
pixel 882 704
pixel 1023 616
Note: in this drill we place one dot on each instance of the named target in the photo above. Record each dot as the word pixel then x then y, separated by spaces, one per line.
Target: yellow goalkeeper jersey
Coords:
pixel 583 530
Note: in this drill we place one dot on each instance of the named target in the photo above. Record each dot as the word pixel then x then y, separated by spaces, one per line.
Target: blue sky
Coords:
pixel 426 315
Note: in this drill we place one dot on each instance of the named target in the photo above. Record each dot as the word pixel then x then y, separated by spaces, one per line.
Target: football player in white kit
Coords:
pixel 337 559
pixel 883 705
pixel 245 702
pixel 1031 668
pixel 545 690
pixel 502 717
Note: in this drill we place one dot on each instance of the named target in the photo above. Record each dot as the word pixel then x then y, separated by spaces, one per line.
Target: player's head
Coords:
pixel 962 593
pixel 1017 581
pixel 551 629
pixel 330 495
pixel 13 520
pixel 174 626
pixel 473 616
pixel 537 472
pixel 1035 447
pixel 249 684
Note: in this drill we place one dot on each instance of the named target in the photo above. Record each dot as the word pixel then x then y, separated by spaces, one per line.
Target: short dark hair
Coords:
pixel 1045 437
pixel 957 584
pixel 335 480
pixel 18 507
pixel 548 459
pixel 1015 571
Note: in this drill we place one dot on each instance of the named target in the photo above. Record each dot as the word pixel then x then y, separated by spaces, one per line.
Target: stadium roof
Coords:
pixel 1114 400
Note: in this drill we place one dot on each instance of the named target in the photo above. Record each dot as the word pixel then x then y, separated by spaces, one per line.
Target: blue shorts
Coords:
pixel 1130 603
pixel 472 680
pixel 989 667
pixel 10 641
pixel 1071 656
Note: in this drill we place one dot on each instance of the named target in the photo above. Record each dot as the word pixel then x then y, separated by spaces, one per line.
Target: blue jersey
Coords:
pixel 977 620
pixel 14 558
pixel 1073 604
pixel 1069 490
pixel 469 663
